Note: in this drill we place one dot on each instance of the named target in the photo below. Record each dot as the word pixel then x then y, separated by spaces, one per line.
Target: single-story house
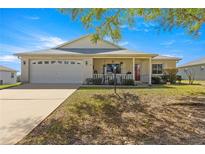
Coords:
pixel 196 68
pixel 7 75
pixel 77 60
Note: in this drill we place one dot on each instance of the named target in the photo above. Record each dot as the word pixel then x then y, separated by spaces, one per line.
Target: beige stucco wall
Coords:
pixel 25 70
pixel 144 70
pixel 87 69
pixel 166 63
pixel 199 74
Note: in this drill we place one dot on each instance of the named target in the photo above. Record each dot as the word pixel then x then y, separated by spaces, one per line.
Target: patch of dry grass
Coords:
pixel 199 82
pixel 157 115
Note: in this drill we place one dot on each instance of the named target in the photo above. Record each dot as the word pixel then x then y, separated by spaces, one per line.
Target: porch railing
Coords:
pixel 107 77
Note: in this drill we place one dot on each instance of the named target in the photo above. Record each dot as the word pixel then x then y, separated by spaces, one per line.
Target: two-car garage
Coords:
pixel 56 71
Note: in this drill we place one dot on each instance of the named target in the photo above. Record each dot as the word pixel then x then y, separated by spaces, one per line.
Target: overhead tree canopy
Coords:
pixel 107 22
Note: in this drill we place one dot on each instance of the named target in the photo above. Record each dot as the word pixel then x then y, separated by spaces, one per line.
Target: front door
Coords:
pixel 137 72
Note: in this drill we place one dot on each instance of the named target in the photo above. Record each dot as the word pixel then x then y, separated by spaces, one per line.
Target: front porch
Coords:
pixel 109 78
pixel 137 69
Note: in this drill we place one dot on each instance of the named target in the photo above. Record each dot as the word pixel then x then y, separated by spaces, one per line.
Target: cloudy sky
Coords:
pixel 23 30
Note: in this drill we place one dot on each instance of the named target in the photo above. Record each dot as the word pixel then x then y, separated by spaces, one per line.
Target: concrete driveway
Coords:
pixel 22 108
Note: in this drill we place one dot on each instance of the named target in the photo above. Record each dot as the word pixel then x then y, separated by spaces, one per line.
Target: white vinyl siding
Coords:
pixel 7 77
pixel 198 71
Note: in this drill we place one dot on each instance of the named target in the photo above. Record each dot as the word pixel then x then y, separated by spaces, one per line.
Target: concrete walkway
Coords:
pixel 22 108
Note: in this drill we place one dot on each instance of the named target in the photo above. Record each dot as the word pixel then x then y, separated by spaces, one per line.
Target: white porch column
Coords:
pixel 150 71
pixel 133 68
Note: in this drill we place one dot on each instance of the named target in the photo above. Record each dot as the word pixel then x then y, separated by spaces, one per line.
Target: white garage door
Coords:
pixel 56 71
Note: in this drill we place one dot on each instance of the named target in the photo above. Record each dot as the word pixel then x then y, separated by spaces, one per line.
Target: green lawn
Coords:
pixel 9 85
pixel 171 114
pixel 202 82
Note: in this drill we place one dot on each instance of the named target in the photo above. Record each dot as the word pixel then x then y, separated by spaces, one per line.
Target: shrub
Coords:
pixel 165 78
pixel 179 78
pixel 128 82
pixel 97 81
pixel 111 82
pixel 89 81
pixel 156 80
pixel 190 73
pixel 94 81
pixel 171 74
pixel 172 78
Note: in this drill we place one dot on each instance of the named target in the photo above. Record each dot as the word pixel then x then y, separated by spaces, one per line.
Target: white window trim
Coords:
pixel 158 64
pixel 12 75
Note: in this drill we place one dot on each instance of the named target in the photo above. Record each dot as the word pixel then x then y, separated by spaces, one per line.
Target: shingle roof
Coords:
pixel 125 51
pixel 195 62
pixel 89 50
pixel 4 68
pixel 80 51
pixel 162 57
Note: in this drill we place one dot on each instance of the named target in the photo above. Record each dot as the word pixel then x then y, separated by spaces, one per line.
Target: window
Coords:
pixel 53 62
pixel 34 62
pixel 110 68
pixel 40 62
pixel 60 62
pixel 72 62
pixel 202 68
pixel 46 62
pixel 156 68
pixel 66 62
pixel 12 75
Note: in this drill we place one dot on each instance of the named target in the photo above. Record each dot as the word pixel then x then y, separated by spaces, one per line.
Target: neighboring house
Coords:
pixel 7 75
pixel 73 62
pixel 196 68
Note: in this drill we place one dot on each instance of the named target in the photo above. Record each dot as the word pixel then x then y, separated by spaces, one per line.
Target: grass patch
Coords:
pixel 170 114
pixel 199 82
pixel 9 85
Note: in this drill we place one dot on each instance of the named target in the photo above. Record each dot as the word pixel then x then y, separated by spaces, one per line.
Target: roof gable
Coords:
pixel 86 42
pixel 7 69
pixel 84 46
